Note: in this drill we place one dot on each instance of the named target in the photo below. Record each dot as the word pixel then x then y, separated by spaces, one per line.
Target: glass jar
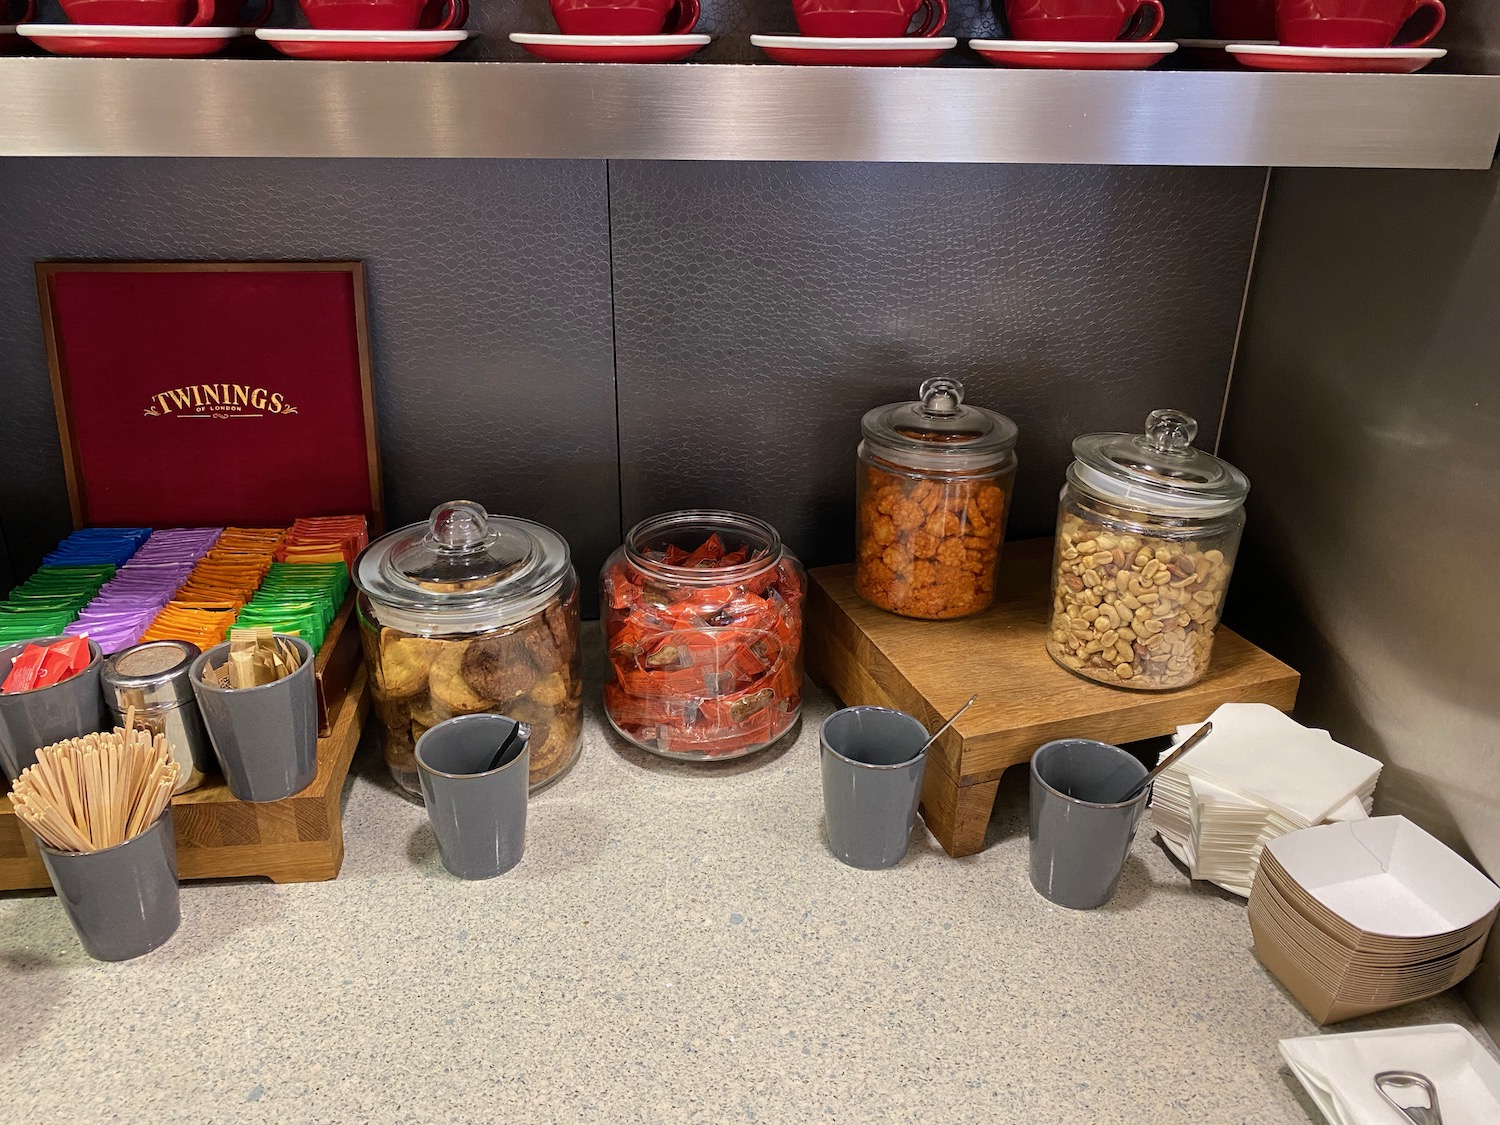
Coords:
pixel 934 492
pixel 1147 531
pixel 703 623
pixel 471 613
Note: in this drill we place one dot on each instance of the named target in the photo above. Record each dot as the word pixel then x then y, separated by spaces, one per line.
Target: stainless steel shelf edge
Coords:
pixel 248 107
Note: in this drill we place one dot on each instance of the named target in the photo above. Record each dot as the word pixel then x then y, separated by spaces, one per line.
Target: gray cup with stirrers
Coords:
pixel 1086 802
pixel 123 901
pixel 31 719
pixel 99 807
pixel 474 773
pixel 873 761
pixel 265 737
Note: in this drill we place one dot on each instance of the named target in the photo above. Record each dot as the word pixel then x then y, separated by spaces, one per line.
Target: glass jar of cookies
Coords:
pixel 934 491
pixel 703 623
pixel 1147 531
pixel 471 613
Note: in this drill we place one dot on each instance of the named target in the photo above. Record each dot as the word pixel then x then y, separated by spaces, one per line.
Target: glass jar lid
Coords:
pixel 470 568
pixel 1159 470
pixel 939 432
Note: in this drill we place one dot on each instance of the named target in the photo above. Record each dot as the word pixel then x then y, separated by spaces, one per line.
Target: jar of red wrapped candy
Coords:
pixel 703 622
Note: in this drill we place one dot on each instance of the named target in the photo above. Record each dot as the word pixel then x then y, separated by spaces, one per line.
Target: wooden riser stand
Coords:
pixel 865 655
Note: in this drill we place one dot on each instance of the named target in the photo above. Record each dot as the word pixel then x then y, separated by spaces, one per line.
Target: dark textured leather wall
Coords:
pixel 489 301
pixel 760 309
pixel 731 22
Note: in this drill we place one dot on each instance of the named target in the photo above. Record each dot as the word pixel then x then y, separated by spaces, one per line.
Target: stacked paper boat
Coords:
pixel 1259 775
pixel 1357 917
pixel 1338 1072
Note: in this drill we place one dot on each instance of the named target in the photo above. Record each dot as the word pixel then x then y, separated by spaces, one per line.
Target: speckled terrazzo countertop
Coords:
pixel 678 945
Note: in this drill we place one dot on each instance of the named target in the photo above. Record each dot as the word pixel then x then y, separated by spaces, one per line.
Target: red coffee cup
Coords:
pixel 878 19
pixel 142 13
pixel 384 15
pixel 1241 21
pixel 1355 23
pixel 625 17
pixel 1084 21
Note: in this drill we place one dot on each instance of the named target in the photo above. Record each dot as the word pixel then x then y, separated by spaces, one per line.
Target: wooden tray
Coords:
pixel 298 840
pixel 928 669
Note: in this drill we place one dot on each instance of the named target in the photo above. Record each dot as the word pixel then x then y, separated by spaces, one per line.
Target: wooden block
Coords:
pixel 928 669
pixel 298 840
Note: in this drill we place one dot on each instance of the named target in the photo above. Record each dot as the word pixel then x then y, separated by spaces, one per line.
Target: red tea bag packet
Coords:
pixel 59 660
pixel 24 669
pixel 77 649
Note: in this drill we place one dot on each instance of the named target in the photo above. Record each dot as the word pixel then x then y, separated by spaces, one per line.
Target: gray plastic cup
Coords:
pixel 873 762
pixel 30 720
pixel 265 738
pixel 123 901
pixel 477 814
pixel 1080 831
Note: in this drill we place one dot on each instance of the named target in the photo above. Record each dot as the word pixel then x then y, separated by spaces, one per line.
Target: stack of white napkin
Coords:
pixel 1259 775
pixel 1339 1071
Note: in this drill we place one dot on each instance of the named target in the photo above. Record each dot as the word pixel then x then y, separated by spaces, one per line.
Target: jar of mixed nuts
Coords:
pixel 1147 532
pixel 471 613
pixel 934 491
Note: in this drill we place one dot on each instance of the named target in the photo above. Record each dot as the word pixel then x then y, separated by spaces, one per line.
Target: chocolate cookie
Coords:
pixel 498 668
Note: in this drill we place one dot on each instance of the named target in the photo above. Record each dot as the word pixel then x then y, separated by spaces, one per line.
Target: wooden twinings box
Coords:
pixel 160 368
pixel 928 668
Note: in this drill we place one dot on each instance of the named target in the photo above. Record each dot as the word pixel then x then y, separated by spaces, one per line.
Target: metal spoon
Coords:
pixel 1429 1114
pixel 521 731
pixel 1188 743
pixel 939 732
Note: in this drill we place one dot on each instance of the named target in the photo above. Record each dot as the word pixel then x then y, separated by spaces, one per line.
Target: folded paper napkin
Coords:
pixel 1339 1071
pixel 1259 775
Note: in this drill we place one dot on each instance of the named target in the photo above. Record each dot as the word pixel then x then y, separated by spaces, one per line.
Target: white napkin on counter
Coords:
pixel 1339 1073
pixel 1258 776
pixel 1301 773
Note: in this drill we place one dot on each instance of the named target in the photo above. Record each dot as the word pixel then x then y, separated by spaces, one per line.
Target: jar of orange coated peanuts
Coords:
pixel 934 492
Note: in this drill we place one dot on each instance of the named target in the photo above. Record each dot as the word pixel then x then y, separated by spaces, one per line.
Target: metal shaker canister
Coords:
pixel 154 679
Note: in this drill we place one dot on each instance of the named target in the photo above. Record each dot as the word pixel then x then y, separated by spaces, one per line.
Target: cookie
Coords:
pixel 498 668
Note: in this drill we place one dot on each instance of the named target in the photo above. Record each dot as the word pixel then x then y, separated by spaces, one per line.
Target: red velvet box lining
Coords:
pixel 210 394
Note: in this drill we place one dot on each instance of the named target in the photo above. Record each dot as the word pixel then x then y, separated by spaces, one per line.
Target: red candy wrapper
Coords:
pixel 705 637
pixel 39 667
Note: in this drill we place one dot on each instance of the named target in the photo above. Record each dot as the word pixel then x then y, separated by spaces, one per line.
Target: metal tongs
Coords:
pixel 1388 1080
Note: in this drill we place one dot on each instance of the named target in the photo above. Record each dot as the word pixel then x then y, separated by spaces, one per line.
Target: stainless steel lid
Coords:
pixel 154 674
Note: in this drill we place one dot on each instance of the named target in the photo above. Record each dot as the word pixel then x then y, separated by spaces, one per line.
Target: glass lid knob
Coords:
pixel 941 397
pixel 460 525
pixel 1170 431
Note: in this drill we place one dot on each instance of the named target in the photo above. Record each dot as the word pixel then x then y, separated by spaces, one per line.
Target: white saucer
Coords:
pixel 828 43
pixel 539 39
pixel 311 35
pixel 123 31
